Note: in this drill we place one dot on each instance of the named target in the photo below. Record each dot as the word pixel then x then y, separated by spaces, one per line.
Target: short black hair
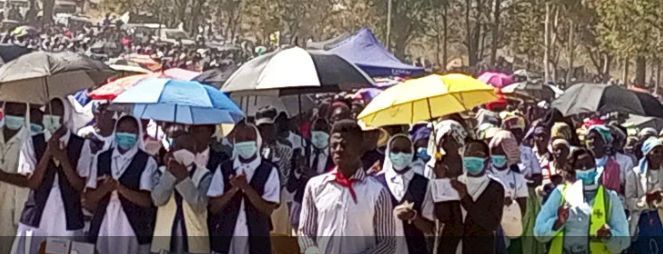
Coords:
pixel 348 126
pixel 575 155
pixel 480 143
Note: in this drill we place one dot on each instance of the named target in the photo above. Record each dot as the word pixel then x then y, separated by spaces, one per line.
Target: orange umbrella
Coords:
pixel 114 88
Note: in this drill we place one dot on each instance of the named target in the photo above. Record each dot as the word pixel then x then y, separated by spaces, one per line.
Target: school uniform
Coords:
pixel 319 162
pixel 12 197
pixel 240 227
pixel 414 188
pixel 181 224
pixel 331 211
pixel 55 198
pixel 118 225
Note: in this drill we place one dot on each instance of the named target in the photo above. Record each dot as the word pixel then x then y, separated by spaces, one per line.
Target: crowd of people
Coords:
pixel 484 181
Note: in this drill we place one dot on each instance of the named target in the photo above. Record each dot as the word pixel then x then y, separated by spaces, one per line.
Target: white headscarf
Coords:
pixel 387 161
pixel 139 141
pixel 128 155
pixel 258 140
pixel 456 130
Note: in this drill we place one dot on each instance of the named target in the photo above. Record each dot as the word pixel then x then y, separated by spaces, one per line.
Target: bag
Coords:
pixel 512 220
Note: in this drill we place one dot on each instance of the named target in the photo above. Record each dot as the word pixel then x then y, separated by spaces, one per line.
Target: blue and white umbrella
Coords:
pixel 177 101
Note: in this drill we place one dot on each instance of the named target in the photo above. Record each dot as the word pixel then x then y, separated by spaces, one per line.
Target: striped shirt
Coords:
pixel 332 222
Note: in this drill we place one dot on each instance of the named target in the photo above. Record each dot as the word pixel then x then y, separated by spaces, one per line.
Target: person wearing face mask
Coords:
pixel 207 155
pixel 118 191
pixel 36 121
pixel 101 132
pixel 583 217
pixel 319 162
pixel 504 156
pixel 242 196
pixel 55 166
pixel 181 198
pixel 420 136
pixel 410 196
pixel 643 198
pixel 481 199
pixel 12 136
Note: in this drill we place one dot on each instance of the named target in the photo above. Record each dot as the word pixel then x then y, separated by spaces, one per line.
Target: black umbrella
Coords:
pixel 296 71
pixel 216 77
pixel 586 98
pixel 650 104
pixel 9 52
pixel 40 76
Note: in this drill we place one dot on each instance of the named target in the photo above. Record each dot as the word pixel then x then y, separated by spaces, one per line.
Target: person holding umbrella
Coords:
pixel 118 190
pixel 55 167
pixel 12 136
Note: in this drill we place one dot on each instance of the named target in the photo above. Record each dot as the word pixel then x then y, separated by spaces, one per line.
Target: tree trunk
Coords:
pixel 625 74
pixel 546 45
pixel 47 17
pixel 496 28
pixel 570 52
pixel 658 75
pixel 640 71
pixel 445 40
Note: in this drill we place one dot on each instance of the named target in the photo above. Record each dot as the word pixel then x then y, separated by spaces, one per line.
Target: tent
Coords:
pixel 365 51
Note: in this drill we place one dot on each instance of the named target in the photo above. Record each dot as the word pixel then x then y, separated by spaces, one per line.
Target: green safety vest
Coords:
pixel 597 219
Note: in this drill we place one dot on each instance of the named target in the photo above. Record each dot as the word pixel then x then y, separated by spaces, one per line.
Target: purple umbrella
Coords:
pixel 496 79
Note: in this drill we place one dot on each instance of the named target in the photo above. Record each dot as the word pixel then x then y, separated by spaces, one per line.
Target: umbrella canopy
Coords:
pixel 289 103
pixel 216 77
pixel 496 79
pixel 40 76
pixel 9 52
pixel 426 98
pixel 177 101
pixel 650 104
pixel 296 71
pixel 112 89
pixel 587 98
pixel 530 89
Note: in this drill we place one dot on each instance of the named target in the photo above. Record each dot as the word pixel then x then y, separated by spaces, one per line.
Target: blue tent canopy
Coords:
pixel 365 51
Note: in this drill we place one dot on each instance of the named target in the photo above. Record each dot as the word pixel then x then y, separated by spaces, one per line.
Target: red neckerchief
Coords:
pixel 347 183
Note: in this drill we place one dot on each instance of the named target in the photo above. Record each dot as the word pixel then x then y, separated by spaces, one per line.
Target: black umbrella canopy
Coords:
pixel 216 77
pixel 296 71
pixel 586 98
pixel 650 104
pixel 9 52
pixel 39 76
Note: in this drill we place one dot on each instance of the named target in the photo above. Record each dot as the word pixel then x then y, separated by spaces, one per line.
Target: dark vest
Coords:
pixel 141 219
pixel 215 159
pixel 416 191
pixel 222 225
pixel 36 202
pixel 297 185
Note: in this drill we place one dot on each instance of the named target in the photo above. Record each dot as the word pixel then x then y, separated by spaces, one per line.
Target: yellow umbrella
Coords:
pixel 426 98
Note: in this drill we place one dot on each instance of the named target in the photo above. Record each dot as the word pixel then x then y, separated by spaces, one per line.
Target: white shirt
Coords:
pixel 625 166
pixel 12 197
pixel 398 185
pixel 271 193
pixel 514 183
pixel 529 164
pixel 332 222
pixel 116 223
pixel 202 158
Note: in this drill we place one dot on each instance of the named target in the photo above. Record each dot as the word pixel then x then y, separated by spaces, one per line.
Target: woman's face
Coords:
pixel 448 143
pixel 497 150
pixel 128 125
pixel 401 145
pixel 655 156
pixel 56 108
pixel 244 133
pixel 475 150
pixel 560 152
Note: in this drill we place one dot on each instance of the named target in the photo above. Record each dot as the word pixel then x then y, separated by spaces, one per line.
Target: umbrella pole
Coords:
pixel 299 117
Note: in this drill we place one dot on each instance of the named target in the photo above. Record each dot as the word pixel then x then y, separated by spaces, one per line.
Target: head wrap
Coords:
pixel 258 140
pixel 451 127
pixel 647 132
pixel 420 133
pixel 646 148
pixel 560 141
pixel 386 165
pixel 487 131
pixel 507 141
pixel 140 144
pixel 561 130
pixel 604 133
pixel 514 122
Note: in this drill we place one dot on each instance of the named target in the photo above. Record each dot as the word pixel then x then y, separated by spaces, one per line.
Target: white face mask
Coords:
pixel 184 157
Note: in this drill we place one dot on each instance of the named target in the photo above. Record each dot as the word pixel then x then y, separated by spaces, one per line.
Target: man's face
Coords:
pixel 595 143
pixel 345 148
pixel 15 109
pixel 202 134
pixel 541 140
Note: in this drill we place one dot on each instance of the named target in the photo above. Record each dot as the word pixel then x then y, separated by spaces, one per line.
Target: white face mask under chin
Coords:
pixel 184 157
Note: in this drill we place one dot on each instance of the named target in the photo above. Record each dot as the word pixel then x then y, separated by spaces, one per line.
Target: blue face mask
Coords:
pixel 320 139
pixel 125 140
pixel 473 165
pixel 498 161
pixel 246 149
pixel 600 162
pixel 36 128
pixel 14 122
pixel 400 161
pixel 422 153
pixel 588 177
